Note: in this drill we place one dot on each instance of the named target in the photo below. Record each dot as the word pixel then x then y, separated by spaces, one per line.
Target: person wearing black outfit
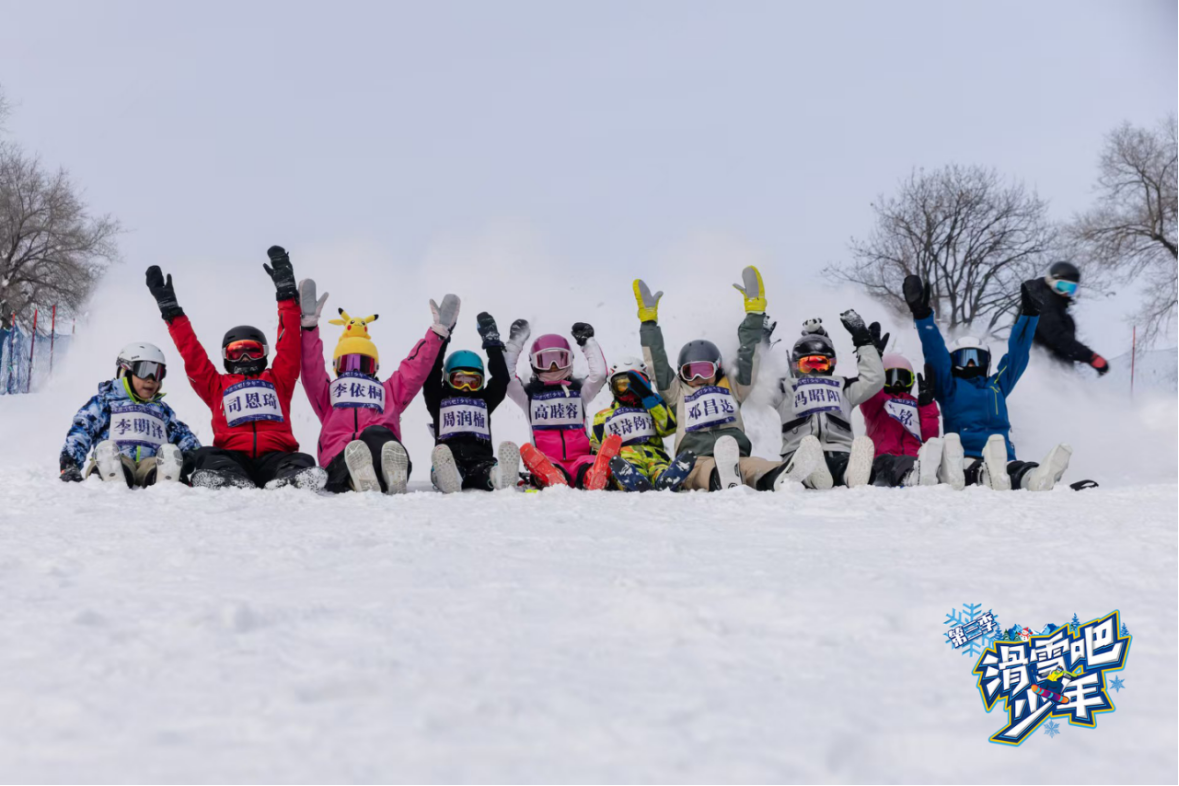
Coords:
pixel 1057 331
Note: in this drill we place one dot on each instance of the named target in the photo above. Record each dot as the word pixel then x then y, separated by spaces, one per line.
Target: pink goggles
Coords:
pixel 362 363
pixel 698 369
pixel 547 358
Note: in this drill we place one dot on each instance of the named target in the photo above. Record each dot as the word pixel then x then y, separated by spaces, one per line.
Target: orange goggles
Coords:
pixel 246 349
pixel 466 380
pixel 814 363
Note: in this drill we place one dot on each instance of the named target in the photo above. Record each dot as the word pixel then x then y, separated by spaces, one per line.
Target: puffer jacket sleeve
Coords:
pixel 1019 348
pixel 88 424
pixel 202 375
pixel 409 377
pixel 870 379
pixel 749 336
pixel 933 347
pixel 316 382
pixel 593 381
pixel 930 424
pixel 655 354
pixel 287 350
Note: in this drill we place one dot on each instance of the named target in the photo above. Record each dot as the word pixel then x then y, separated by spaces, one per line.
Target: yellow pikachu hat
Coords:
pixel 355 339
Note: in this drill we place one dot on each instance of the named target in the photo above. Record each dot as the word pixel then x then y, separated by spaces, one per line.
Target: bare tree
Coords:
pixel 1131 231
pixel 974 237
pixel 52 251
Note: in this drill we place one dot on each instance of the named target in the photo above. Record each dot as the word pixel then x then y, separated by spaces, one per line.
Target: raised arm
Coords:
pixel 583 334
pixel 316 382
pixel 517 337
pixel 751 331
pixel 201 373
pixel 409 377
pixel 1019 343
pixel 497 367
pixel 651 339
pixel 287 354
pixel 434 385
pixel 933 346
pixel 927 409
pixel 870 369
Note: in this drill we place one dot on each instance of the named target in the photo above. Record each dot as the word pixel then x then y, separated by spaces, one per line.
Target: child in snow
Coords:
pixel 639 417
pixel 815 406
pixel 974 401
pixel 361 415
pixel 904 429
pixel 554 402
pixel 253 446
pixel 705 401
pixel 136 436
pixel 461 403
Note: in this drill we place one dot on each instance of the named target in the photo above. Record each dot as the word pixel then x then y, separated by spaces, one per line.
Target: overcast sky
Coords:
pixel 613 131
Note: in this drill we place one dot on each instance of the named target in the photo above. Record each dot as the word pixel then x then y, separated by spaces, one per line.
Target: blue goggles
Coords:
pixel 1065 287
pixel 963 358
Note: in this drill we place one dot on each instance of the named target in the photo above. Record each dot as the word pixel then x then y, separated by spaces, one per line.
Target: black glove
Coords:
pixel 582 332
pixel 767 328
pixel 485 324
pixel 69 470
pixel 880 341
pixel 283 274
pixel 639 386
pixel 854 323
pixel 163 293
pixel 917 296
pixel 926 387
pixel 1029 304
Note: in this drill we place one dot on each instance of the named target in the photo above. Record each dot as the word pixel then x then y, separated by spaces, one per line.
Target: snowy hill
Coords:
pixel 1155 370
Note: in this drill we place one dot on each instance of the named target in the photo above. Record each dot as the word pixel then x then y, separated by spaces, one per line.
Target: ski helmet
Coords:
pixel 1063 278
pixel 549 350
pixel 898 373
pixel 464 370
pixel 808 352
pixel 693 359
pixel 355 350
pixel 620 371
pixel 244 350
pixel 142 360
pixel 970 358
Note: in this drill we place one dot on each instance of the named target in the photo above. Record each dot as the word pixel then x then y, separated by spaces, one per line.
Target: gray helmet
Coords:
pixel 700 351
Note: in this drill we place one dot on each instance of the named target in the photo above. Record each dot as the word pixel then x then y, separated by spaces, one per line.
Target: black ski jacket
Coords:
pixel 467 449
pixel 1056 331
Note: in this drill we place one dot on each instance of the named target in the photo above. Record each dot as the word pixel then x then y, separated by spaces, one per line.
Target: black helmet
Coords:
pixel 699 351
pixel 245 363
pixel 1063 278
pixel 812 345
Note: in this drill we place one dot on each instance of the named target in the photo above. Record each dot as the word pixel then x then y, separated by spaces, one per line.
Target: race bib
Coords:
pixel 353 389
pixel 905 413
pixel 709 407
pixel 633 425
pixel 557 410
pixel 465 416
pixel 817 394
pixel 134 425
pixel 250 400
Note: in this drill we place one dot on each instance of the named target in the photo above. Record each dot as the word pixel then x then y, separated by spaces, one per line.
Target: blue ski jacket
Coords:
pixel 92 424
pixel 976 408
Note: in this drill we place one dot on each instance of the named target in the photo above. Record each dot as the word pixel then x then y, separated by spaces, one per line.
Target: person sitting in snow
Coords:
pixel 360 440
pixel 134 434
pixel 253 445
pixel 974 401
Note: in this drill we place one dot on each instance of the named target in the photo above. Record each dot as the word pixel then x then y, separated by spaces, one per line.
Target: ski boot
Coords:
pixel 544 474
pixel 628 476
pixel 220 479
pixel 802 464
pixel 727 455
pixel 677 472
pixel 395 467
pixel 507 474
pixel 109 462
pixel 444 472
pixel 993 473
pixel 929 464
pixel 361 472
pixel 310 478
pixel 1045 476
pixel 951 472
pixel 859 463
pixel 598 475
pixel 169 462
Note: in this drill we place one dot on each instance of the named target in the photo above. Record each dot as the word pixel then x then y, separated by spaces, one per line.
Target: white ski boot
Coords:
pixel 1045 476
pixel 950 471
pixel 727 455
pixel 803 463
pixel 859 463
pixel 443 471
pixel 929 464
pixel 361 472
pixel 108 461
pixel 507 474
pixel 311 479
pixel 169 462
pixel 993 473
pixel 395 467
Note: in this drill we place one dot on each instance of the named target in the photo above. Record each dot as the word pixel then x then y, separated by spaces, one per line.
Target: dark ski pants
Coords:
pixel 477 474
pixel 888 470
pixel 375 437
pixel 836 465
pixel 259 470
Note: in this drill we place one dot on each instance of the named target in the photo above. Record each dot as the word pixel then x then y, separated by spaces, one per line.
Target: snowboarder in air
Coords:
pixel 253 446
pixel 460 400
pixel 1056 332
pixel 974 401
pixel 134 434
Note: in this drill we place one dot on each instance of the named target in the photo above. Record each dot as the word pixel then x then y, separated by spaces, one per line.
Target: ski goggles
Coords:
pixel 898 378
pixel 970 356
pixel 466 380
pixel 545 359
pixel 246 349
pixel 365 364
pixel 698 369
pixel 620 383
pixel 810 364
pixel 147 369
pixel 1065 287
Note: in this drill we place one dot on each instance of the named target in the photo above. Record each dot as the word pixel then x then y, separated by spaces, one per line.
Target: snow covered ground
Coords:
pixel 184 635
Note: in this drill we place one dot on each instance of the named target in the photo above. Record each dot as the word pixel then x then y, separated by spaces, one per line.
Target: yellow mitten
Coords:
pixel 754 291
pixel 648 303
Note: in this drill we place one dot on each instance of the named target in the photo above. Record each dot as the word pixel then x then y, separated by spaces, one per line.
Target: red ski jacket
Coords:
pixel 250 414
pixel 896 425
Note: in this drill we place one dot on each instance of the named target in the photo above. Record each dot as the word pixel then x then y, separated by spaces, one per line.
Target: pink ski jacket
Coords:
pixel 891 421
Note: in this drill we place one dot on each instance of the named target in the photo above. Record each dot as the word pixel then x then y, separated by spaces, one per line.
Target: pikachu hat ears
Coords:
pixel 355 339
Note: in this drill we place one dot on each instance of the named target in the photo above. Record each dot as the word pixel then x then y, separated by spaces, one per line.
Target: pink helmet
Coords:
pixel 893 360
pixel 549 349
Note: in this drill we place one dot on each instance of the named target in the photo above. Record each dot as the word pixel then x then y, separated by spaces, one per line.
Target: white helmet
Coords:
pixel 967 342
pixel 142 360
pixel 626 365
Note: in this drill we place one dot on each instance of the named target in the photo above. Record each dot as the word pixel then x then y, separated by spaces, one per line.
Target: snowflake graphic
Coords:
pixel 969 613
pixel 1052 728
pixel 1117 683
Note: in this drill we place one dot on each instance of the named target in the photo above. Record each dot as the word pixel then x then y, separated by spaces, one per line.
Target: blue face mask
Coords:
pixel 1066 288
